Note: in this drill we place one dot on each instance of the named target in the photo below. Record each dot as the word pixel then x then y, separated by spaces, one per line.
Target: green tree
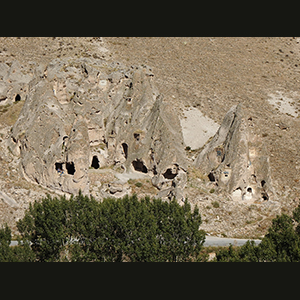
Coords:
pixel 280 244
pixel 127 229
pixel 19 253
pixel 44 226
pixel 178 233
pixel 6 253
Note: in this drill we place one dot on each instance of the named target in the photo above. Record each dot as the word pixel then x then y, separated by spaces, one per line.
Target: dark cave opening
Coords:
pixel 139 166
pixel 17 98
pixel 211 177
pixel 70 167
pixel 95 162
pixel 125 149
pixel 169 175
pixel 58 166
pixel 136 136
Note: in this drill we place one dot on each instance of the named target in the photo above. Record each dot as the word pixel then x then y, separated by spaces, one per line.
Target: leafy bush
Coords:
pixel 215 204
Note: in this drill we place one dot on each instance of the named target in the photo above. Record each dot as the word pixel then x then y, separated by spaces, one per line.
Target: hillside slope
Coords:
pixel 209 75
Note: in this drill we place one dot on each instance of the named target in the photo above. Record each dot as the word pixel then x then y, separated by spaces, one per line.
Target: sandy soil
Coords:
pixel 196 128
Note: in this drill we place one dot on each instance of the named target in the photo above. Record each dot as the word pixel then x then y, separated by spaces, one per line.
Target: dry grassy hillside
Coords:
pixel 215 73
pixel 211 74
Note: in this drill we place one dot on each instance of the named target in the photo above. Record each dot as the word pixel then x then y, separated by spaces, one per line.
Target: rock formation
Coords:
pixel 13 82
pixel 83 113
pixel 89 113
pixel 91 123
pixel 230 162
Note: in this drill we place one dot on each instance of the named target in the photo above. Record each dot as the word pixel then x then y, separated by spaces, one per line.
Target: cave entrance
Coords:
pixel 70 167
pixel 17 98
pixel 125 149
pixel 139 166
pixel 136 136
pixel 95 162
pixel 58 166
pixel 169 175
pixel 211 177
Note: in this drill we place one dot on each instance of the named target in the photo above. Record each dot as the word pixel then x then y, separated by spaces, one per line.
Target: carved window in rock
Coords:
pixel 17 98
pixel 70 168
pixel 139 166
pixel 58 166
pixel 125 149
pixel 95 162
pixel 169 174
pixel 211 177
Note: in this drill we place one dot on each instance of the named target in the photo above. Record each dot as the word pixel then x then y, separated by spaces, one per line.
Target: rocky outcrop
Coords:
pixel 230 162
pixel 88 113
pixel 13 82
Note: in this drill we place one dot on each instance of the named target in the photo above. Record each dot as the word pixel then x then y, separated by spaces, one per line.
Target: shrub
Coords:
pixel 215 204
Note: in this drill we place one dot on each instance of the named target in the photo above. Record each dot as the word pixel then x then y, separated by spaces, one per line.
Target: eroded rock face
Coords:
pixel 82 113
pixel 89 113
pixel 13 82
pixel 230 162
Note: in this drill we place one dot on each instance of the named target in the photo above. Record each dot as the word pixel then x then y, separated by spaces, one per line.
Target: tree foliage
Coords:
pixel 129 229
pixel 21 253
pixel 280 244
pixel 114 230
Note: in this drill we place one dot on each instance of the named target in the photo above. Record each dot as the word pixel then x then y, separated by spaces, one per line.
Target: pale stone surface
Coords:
pixel 229 163
pixel 83 113
pixel 209 76
pixel 196 128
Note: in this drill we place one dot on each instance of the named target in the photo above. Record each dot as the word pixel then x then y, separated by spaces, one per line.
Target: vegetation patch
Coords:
pixel 114 230
pixel 215 204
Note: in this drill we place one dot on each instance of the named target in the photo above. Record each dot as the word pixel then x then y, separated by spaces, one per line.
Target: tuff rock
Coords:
pixel 13 82
pixel 83 113
pixel 232 164
pixel 89 113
